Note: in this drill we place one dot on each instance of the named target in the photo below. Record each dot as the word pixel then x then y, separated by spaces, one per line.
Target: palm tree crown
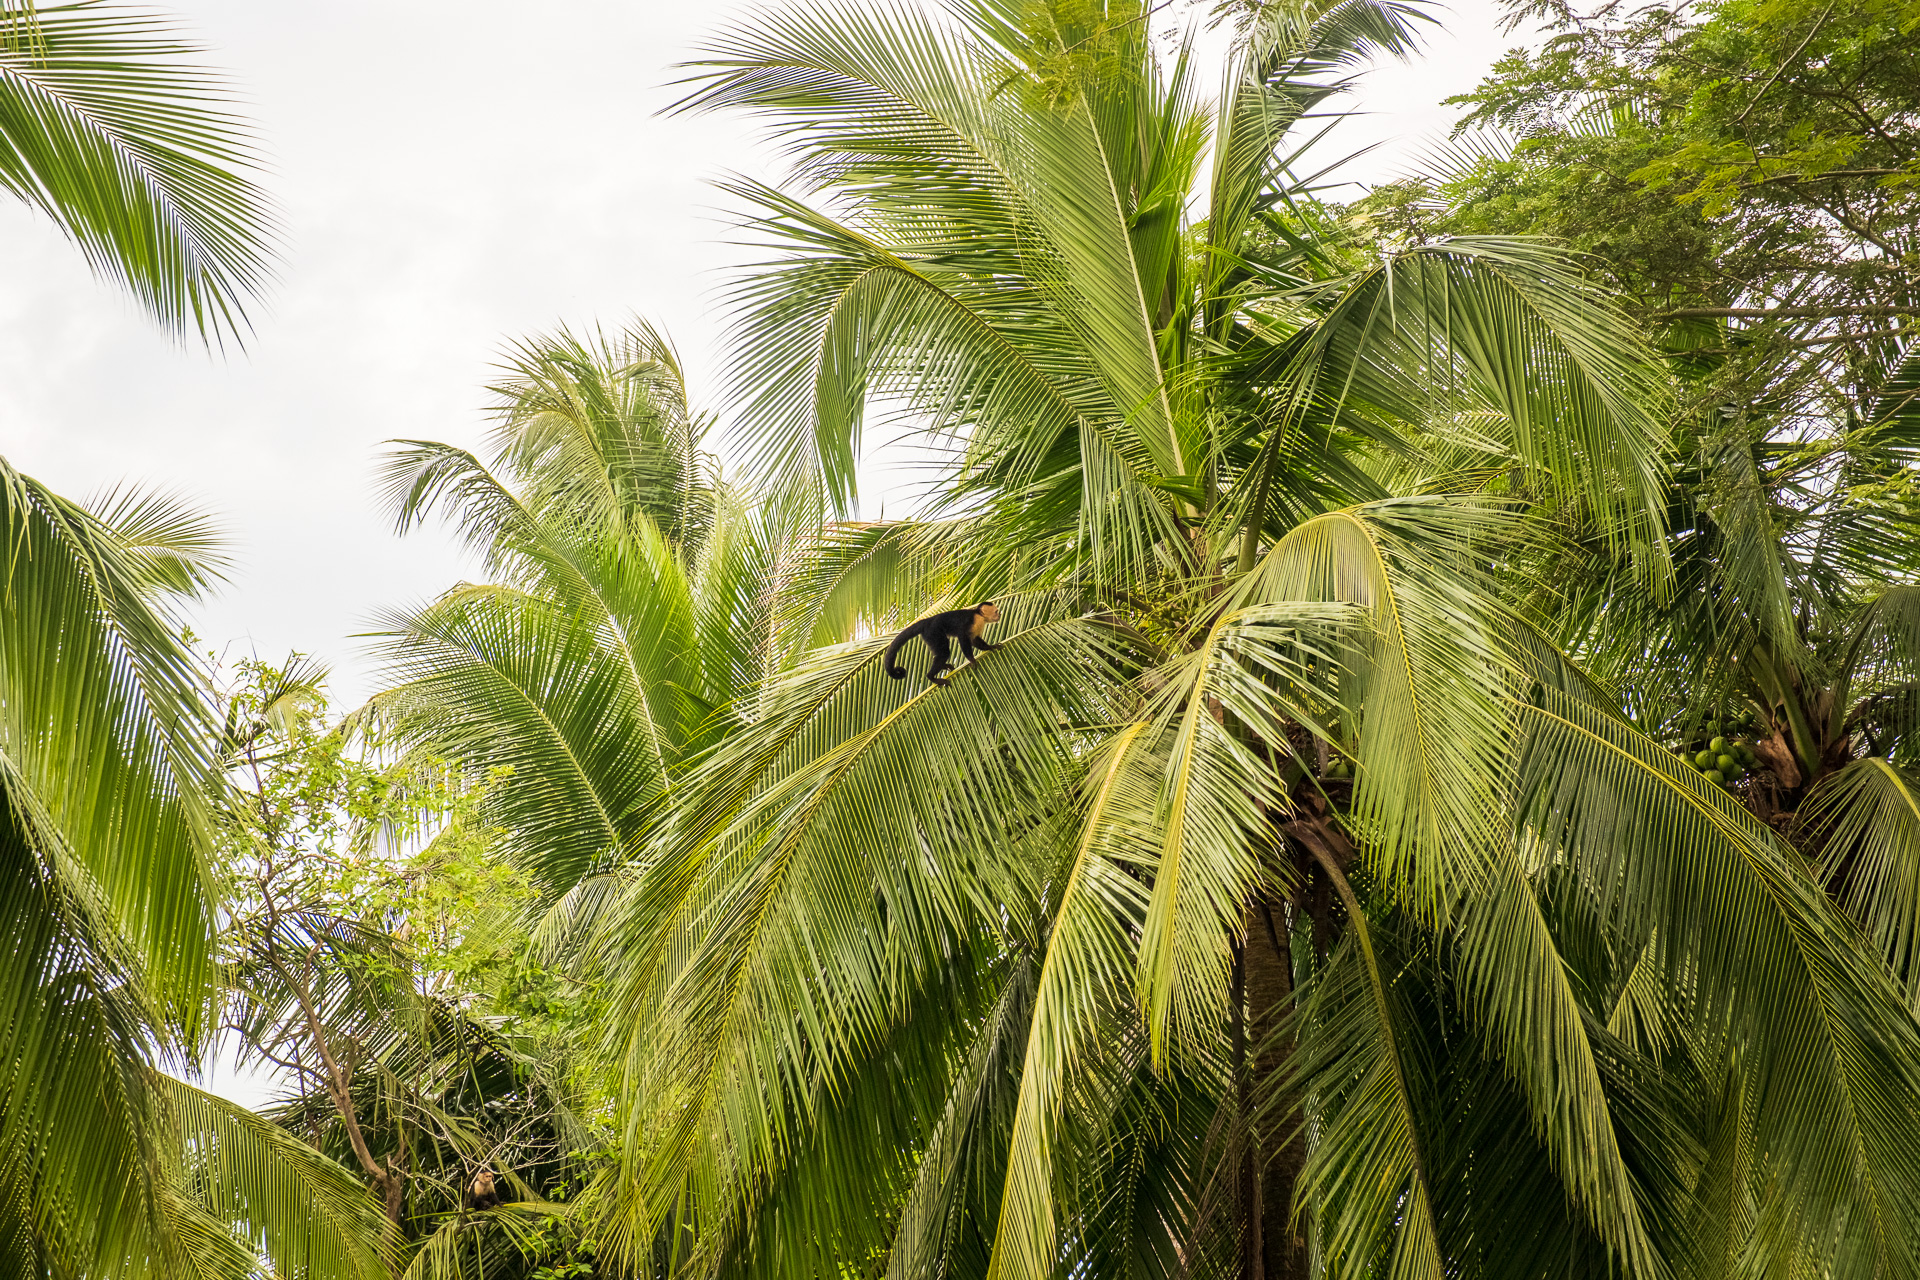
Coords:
pixel 108 784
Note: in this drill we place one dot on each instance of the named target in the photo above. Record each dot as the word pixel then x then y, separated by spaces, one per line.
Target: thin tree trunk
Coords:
pixel 1247 1192
pixel 1277 1157
pixel 389 1180
pixel 393 1188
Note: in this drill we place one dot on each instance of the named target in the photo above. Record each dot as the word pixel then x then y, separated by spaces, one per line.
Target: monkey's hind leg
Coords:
pixel 942 656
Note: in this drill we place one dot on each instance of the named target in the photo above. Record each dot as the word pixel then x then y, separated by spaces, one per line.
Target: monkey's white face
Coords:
pixel 991 612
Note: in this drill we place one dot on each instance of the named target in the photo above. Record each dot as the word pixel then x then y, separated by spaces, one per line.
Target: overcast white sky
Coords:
pixel 451 176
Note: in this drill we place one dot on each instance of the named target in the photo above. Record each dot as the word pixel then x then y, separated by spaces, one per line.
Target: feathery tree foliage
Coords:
pixel 110 782
pixel 133 152
pixel 1742 172
pixel 372 948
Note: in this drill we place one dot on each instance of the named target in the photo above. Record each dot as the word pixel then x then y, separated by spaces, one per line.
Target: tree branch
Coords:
pixel 1781 70
pixel 339 1085
pixel 1830 173
pixel 1865 335
pixel 1781 313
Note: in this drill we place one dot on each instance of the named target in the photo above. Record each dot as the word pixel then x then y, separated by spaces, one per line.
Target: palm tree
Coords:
pixel 134 154
pixel 624 632
pixel 626 621
pixel 1793 638
pixel 1279 898
pixel 115 1167
pixel 107 758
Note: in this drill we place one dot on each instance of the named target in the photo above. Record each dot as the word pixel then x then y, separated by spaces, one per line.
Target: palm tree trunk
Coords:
pixel 1275 1157
pixel 1247 1195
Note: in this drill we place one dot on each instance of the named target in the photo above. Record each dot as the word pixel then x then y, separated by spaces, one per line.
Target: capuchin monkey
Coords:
pixel 940 631
pixel 485 1193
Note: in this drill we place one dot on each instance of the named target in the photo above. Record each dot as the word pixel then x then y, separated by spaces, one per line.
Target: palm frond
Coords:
pixel 822 862
pixel 108 129
pixel 1869 813
pixel 1781 985
pixel 1367 1176
pixel 308 1215
pixel 1512 328
pixel 1082 983
pixel 505 680
pixel 105 729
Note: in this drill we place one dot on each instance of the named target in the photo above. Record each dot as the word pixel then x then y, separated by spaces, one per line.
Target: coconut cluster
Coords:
pixel 1724 760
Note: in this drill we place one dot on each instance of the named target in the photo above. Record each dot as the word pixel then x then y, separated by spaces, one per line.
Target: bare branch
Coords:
pixel 1819 22
pixel 1781 313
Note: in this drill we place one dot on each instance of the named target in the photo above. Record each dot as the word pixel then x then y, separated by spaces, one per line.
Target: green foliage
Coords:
pixel 1288 891
pixel 628 618
pixel 1743 171
pixel 133 152
pixel 1745 174
pixel 322 824
pixel 969 979
pixel 378 958
pixel 108 896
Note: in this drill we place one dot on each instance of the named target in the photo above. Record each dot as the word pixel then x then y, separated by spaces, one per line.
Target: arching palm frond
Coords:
pixel 630 611
pixel 109 775
pixel 1423 693
pixel 106 733
pixel 1870 814
pixel 1775 980
pixel 1372 1176
pixel 1508 330
pixel 783 927
pixel 1084 982
pixel 495 676
pixel 308 1214
pixel 133 151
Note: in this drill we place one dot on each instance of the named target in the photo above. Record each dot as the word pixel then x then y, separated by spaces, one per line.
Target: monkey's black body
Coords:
pixel 940 632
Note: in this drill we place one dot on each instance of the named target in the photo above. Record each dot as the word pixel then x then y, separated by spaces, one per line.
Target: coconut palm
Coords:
pixel 133 152
pixel 626 618
pixel 1278 897
pixel 114 1166
pixel 623 634
pixel 1784 666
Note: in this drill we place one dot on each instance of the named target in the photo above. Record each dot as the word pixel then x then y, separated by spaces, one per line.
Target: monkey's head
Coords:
pixel 989 610
pixel 483 1183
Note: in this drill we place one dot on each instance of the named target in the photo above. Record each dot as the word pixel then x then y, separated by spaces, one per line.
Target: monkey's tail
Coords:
pixel 894 669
